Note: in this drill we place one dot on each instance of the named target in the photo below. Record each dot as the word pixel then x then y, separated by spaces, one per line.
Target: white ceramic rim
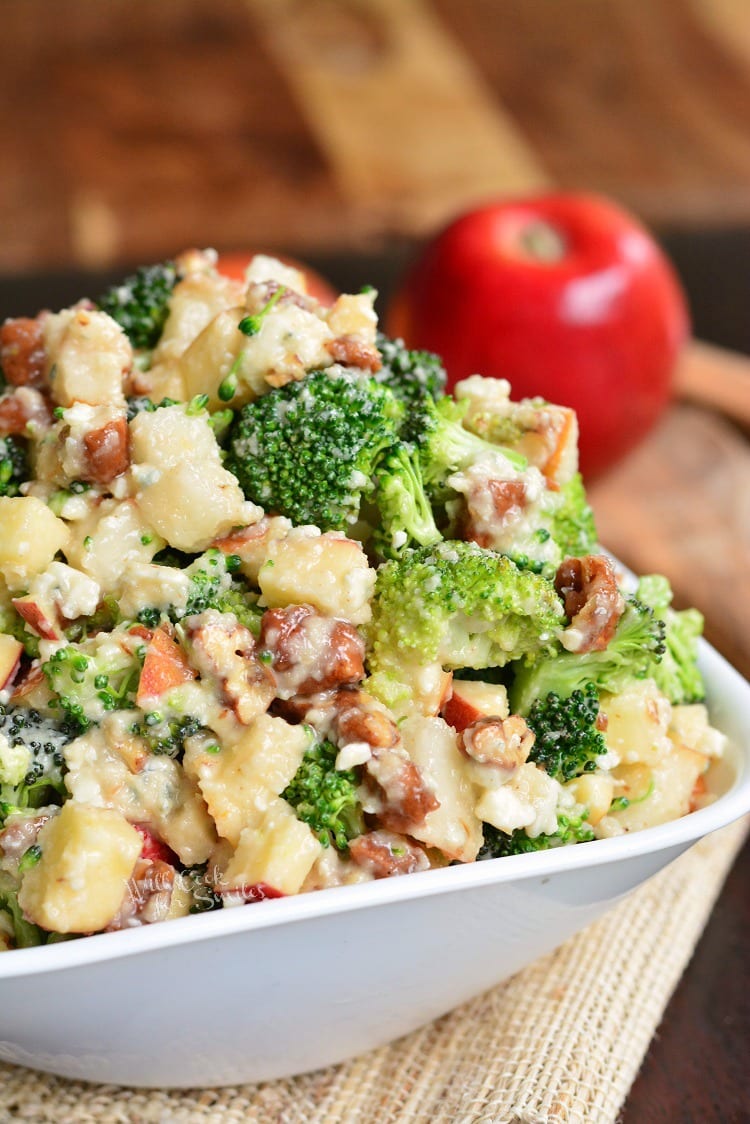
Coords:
pixel 283 911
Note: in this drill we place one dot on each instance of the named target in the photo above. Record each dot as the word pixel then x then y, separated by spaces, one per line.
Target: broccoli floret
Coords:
pixel 570 829
pixel 141 405
pixel 413 376
pixel 104 619
pixel 212 585
pixel 308 450
pixel 14 465
pixel 632 653
pixel 24 934
pixel 12 623
pixel 95 676
pixel 140 303
pixel 210 579
pixel 567 741
pixel 166 736
pixel 32 764
pixel 406 517
pixel 326 797
pixel 677 675
pixel 446 447
pixel 459 605
pixel 572 524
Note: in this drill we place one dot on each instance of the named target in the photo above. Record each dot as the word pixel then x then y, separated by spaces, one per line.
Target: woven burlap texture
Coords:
pixel 559 1042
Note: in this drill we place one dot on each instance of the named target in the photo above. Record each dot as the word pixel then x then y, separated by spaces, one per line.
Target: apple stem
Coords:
pixel 542 242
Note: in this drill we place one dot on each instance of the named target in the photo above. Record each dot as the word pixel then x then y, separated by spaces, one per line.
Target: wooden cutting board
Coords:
pixel 680 504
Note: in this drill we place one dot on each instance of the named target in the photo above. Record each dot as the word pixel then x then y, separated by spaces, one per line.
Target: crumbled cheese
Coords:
pixel 355 753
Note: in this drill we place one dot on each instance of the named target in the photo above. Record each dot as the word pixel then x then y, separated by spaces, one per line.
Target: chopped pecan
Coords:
pixel 259 294
pixel 148 895
pixel 226 651
pixel 407 799
pixel 310 653
pixel 491 505
pixel 22 356
pixel 506 494
pixel 593 603
pixel 20 833
pixel 499 741
pixel 358 718
pixel 21 406
pixel 355 353
pixel 106 452
pixel 384 853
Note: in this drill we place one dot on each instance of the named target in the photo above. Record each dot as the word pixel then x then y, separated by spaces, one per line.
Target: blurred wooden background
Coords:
pixel 134 127
pixel 343 131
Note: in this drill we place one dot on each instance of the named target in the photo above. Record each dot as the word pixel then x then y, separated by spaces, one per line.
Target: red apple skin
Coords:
pixel 472 700
pixel 37 619
pixel 153 849
pixel 11 651
pixel 233 266
pixel 568 297
pixel 164 667
pixel 258 892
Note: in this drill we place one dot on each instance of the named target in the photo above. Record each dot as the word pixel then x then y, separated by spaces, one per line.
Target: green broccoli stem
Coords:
pixel 405 510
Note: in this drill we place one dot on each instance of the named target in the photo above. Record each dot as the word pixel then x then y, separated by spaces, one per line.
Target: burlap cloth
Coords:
pixel 561 1041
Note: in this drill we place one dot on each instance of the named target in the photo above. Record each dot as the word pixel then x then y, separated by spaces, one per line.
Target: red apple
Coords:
pixel 234 265
pixel 164 667
pixel 42 620
pixel 11 651
pixel 566 296
pixel 472 700
pixel 154 850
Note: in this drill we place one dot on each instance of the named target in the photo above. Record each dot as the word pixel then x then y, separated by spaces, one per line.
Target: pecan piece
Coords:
pixel 22 356
pixel 505 742
pixel 148 895
pixel 106 451
pixel 407 799
pixel 310 653
pixel 358 718
pixel 355 353
pixel 593 603
pixel 226 652
pixel 21 406
pixel 384 853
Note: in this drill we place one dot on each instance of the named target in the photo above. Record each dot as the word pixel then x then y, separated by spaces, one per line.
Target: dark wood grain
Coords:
pixel 642 101
pixel 132 128
pixel 139 128
pixel 679 506
pixel 696 1071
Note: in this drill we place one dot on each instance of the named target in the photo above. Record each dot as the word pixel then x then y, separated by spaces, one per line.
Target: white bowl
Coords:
pixel 286 986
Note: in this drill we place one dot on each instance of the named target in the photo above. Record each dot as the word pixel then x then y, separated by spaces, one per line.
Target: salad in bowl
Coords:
pixel 278 615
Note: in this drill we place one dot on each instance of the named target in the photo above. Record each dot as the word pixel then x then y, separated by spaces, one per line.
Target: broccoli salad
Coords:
pixel 278 614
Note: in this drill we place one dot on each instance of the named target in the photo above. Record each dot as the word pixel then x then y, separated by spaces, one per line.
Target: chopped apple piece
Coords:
pixel 165 666
pixel 30 537
pixel 472 700
pixel 11 651
pixel 88 855
pixel 278 853
pixel 41 619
